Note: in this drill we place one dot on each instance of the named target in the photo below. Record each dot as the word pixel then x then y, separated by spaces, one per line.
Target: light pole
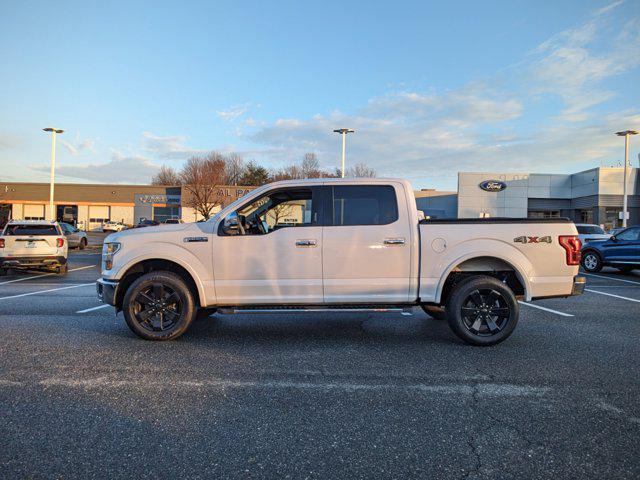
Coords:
pixel 54 132
pixel 344 132
pixel 626 135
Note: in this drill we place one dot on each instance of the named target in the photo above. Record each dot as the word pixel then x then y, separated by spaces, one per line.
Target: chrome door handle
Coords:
pixel 394 241
pixel 306 243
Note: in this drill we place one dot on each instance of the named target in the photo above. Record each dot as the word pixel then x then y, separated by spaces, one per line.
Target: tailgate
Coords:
pixel 20 246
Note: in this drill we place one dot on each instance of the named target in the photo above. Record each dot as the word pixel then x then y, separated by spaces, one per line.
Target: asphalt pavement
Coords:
pixel 345 395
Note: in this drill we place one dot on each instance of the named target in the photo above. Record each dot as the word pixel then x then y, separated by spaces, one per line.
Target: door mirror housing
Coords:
pixel 613 238
pixel 231 224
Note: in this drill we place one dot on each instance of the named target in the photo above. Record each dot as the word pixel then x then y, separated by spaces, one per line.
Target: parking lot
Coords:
pixel 346 395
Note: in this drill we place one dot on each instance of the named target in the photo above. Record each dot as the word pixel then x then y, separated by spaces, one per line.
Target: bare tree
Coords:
pixel 201 176
pixel 360 171
pixel 166 176
pixel 310 166
pixel 234 168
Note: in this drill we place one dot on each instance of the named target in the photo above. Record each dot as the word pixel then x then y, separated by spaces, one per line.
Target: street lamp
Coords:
pixel 54 132
pixel 626 135
pixel 344 132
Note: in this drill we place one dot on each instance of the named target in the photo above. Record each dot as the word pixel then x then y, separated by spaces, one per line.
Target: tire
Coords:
pixel 168 302
pixel 3 272
pixel 625 269
pixel 83 244
pixel 435 312
pixel 591 261
pixel 470 306
pixel 62 269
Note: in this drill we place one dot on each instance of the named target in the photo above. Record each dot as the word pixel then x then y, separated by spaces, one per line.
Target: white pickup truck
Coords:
pixel 338 244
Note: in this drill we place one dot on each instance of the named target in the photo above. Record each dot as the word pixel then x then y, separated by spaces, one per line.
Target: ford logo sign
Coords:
pixel 493 186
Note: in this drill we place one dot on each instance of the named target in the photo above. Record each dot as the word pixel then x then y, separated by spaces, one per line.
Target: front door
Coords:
pixel 275 256
pixel 367 244
pixel 625 248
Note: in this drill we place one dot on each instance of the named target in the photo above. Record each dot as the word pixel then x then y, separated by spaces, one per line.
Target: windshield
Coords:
pixel 13 230
pixel 590 230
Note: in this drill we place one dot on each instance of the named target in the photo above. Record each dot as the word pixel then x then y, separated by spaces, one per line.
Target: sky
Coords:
pixel 431 88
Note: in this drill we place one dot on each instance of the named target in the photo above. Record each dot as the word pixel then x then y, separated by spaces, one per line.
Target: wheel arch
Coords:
pixel 484 263
pixel 140 266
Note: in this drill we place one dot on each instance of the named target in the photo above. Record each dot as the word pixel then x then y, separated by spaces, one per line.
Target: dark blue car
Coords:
pixel 621 251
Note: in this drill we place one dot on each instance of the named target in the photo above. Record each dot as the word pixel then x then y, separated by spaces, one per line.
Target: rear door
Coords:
pixel 366 244
pixel 31 240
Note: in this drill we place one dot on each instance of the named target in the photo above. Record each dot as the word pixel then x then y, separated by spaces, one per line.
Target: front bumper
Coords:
pixel 33 261
pixel 107 290
pixel 579 282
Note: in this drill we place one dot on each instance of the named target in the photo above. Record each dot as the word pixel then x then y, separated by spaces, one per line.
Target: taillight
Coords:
pixel 1 242
pixel 60 242
pixel 571 245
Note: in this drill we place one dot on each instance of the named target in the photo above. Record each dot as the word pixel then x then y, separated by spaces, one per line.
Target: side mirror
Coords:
pixel 231 224
pixel 613 238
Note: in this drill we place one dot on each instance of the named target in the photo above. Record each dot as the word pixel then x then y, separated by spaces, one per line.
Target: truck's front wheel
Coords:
pixel 482 310
pixel 159 306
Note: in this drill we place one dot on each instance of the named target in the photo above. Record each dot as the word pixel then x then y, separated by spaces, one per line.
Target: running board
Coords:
pixel 312 309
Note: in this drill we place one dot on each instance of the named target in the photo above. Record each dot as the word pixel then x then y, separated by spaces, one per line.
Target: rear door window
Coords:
pixel 363 205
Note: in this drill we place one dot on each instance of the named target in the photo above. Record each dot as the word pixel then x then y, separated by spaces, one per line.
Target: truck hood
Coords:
pixel 152 233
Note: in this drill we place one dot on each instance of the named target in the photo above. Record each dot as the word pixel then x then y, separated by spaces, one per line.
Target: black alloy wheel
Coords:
pixel 485 312
pixel 482 310
pixel 159 306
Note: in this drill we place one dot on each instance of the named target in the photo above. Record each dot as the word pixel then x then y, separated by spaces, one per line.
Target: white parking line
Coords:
pixel 612 295
pixel 545 309
pixel 612 278
pixel 93 308
pixel 44 275
pixel 50 290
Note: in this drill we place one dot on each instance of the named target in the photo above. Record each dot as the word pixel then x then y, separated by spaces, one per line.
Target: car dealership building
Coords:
pixel 88 206
pixel 591 196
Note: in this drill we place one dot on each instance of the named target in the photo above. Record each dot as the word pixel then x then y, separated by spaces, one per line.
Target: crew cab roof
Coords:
pixel 32 222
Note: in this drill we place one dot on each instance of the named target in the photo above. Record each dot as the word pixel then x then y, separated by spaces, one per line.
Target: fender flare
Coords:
pixel 168 257
pixel 517 268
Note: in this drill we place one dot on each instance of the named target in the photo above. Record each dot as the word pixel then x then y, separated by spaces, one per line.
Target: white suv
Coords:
pixel 33 244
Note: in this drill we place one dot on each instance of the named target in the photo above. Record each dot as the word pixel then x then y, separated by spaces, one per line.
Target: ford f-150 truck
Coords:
pixel 339 244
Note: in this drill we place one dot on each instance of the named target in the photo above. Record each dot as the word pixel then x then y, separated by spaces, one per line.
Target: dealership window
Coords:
pixel 544 214
pixel 363 205
pixel 160 214
pixel 586 216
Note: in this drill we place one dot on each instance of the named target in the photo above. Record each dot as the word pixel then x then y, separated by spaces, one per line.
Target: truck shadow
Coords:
pixel 311 327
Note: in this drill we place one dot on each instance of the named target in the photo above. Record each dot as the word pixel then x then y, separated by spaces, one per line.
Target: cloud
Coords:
pixel 233 112
pixel 508 121
pixel 169 147
pixel 120 169
pixel 573 63
pixel 87 144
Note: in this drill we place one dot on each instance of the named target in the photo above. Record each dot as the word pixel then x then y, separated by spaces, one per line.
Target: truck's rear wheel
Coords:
pixel 482 310
pixel 159 306
pixel 435 312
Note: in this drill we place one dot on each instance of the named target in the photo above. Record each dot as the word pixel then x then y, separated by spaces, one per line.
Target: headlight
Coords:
pixel 108 251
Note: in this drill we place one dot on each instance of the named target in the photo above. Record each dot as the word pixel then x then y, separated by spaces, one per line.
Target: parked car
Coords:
pixel 616 230
pixel 173 221
pixel 147 223
pixel 330 244
pixel 588 232
pixel 112 226
pixel 76 238
pixel 621 251
pixel 33 244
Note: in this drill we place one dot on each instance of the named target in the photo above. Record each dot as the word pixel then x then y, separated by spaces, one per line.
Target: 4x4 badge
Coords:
pixel 526 239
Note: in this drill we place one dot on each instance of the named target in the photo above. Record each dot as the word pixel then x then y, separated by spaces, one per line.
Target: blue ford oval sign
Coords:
pixel 493 186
